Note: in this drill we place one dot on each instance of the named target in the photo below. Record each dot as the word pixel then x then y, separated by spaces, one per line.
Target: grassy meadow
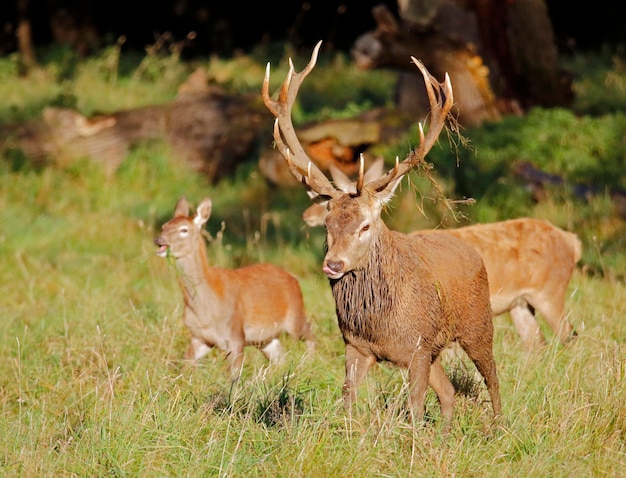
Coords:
pixel 92 381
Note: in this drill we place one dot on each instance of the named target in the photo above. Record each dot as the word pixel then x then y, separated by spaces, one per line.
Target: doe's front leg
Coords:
pixel 196 349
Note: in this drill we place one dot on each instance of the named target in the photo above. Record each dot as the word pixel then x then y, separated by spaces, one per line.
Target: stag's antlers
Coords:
pixel 285 134
pixel 301 167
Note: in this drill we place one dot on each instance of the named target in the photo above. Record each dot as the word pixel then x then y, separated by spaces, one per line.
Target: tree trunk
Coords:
pixel 534 56
pixel 501 56
pixel 25 35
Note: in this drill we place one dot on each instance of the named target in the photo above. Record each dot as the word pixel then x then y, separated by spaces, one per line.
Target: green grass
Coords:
pixel 93 383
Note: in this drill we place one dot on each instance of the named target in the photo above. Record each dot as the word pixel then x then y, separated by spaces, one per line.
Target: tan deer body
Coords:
pixel 231 308
pixel 529 263
pixel 398 297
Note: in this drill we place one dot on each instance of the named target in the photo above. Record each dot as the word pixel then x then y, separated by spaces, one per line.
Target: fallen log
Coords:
pixel 339 143
pixel 213 132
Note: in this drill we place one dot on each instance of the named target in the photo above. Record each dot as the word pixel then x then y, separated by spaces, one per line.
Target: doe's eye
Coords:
pixel 365 228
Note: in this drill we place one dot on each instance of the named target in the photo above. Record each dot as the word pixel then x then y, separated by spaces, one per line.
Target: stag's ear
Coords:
pixel 203 212
pixel 376 170
pixel 182 208
pixel 386 194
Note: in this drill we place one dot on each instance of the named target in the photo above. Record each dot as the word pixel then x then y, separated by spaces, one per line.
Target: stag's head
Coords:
pixel 353 222
pixel 180 235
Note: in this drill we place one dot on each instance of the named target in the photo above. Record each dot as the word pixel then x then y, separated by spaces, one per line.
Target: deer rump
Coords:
pixel 529 264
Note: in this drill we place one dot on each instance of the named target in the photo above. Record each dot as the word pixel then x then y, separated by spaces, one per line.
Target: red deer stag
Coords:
pixel 230 308
pixel 398 298
pixel 529 264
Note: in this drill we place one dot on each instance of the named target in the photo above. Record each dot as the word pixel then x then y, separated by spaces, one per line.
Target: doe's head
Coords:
pixel 179 236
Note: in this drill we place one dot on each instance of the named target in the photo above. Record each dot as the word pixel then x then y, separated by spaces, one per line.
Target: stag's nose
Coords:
pixel 335 266
pixel 333 269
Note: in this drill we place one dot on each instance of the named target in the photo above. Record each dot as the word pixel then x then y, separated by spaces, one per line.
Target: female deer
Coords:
pixel 230 308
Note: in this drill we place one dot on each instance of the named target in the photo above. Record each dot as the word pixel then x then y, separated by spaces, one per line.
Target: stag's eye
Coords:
pixel 184 231
pixel 365 228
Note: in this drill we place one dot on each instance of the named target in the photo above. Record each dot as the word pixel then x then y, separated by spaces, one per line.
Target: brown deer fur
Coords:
pixel 230 308
pixel 403 299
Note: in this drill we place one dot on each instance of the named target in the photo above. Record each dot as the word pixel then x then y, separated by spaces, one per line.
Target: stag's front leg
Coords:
pixel 419 375
pixel 357 365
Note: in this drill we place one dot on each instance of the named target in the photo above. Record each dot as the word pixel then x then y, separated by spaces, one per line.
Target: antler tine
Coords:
pixel 440 105
pixel 285 136
pixel 360 180
pixel 308 180
pixel 441 101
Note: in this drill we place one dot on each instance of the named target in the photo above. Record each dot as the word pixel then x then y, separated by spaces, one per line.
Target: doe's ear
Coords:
pixel 317 198
pixel 343 182
pixel 182 208
pixel 341 179
pixel 203 212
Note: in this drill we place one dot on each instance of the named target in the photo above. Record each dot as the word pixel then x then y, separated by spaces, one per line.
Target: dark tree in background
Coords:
pixel 222 27
pixel 503 55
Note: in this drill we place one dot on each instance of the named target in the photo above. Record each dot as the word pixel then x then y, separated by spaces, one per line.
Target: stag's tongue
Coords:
pixel 331 273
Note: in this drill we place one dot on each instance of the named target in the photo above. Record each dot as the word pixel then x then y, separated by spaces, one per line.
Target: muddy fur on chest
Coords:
pixel 381 305
pixel 363 303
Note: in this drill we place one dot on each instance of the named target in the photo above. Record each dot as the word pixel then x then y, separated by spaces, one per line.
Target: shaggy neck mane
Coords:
pixel 365 293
